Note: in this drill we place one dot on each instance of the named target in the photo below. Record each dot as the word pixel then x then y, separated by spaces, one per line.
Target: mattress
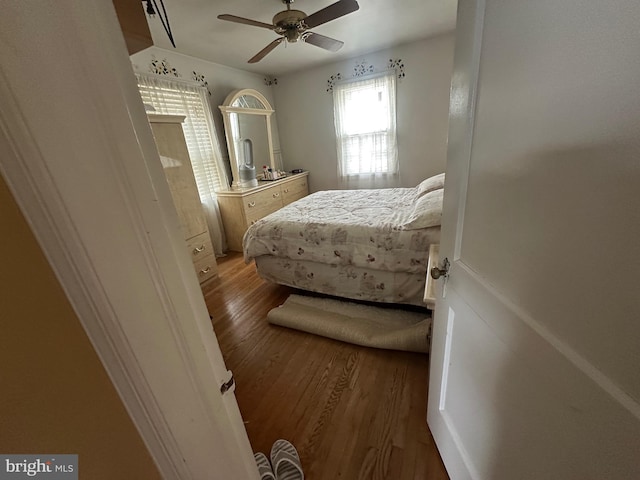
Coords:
pixel 356 283
pixel 351 243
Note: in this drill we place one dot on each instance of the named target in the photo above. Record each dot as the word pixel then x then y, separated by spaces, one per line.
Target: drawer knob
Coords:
pixel 304 184
pixel 251 204
pixel 286 190
pixel 276 195
pixel 199 249
pixel 204 271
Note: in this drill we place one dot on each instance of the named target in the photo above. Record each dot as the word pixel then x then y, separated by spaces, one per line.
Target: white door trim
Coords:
pixel 27 176
pixel 81 162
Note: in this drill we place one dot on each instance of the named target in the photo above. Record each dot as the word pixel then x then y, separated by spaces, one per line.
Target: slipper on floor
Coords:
pixel 286 461
pixel 264 467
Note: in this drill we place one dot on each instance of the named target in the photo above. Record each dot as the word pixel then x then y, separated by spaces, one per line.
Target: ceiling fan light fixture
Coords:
pixel 288 20
pixel 292 35
pixel 292 25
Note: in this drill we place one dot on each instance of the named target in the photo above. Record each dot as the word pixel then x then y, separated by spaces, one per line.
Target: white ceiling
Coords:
pixel 377 25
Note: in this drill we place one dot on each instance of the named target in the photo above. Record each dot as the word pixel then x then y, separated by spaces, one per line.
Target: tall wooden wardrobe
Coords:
pixel 169 137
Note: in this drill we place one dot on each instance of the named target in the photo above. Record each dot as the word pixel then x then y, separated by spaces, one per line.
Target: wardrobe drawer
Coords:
pixel 206 267
pixel 200 246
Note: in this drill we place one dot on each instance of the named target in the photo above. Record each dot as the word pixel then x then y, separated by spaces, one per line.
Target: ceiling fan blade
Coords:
pixel 263 53
pixel 246 21
pixel 321 41
pixel 337 10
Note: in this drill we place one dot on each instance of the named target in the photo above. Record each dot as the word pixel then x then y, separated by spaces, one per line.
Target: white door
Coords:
pixel 536 347
pixel 78 155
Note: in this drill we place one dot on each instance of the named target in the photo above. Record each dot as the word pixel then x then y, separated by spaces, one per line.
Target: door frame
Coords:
pixel 99 206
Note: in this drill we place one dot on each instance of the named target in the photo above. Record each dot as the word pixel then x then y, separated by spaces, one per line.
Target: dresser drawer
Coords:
pixel 269 198
pixel 255 215
pixel 200 246
pixel 261 204
pixel 206 267
pixel 292 197
pixel 297 185
pixel 294 190
pixel 242 207
pixel 293 193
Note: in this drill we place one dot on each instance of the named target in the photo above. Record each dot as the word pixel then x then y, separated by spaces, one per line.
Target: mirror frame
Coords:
pixel 227 109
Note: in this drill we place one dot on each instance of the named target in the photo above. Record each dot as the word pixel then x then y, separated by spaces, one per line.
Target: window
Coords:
pixel 175 98
pixel 365 120
pixel 172 97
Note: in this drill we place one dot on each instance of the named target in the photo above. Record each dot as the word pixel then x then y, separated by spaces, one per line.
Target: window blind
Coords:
pixel 171 97
pixel 186 100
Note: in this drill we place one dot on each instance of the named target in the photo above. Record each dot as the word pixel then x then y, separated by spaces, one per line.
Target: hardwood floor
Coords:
pixel 352 412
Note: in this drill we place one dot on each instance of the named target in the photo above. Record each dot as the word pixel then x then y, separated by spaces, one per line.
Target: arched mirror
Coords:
pixel 247 127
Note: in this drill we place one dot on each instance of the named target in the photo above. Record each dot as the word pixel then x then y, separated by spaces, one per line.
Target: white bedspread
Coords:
pixel 346 227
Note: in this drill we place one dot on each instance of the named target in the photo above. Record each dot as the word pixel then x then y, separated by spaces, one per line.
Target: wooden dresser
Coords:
pixel 169 137
pixel 242 207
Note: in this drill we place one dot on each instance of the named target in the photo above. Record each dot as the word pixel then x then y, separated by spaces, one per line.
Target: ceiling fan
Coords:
pixel 294 25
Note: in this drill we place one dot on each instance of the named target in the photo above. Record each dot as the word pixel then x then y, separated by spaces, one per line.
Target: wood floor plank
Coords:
pixel 352 412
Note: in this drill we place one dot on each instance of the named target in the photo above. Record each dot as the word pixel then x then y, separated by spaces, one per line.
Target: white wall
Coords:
pixel 221 81
pixel 305 112
pixel 304 129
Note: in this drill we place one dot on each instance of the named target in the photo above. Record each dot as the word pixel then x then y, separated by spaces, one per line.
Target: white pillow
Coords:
pixel 430 184
pixel 427 211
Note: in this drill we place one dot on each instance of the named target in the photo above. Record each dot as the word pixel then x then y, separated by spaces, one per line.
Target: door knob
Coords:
pixel 437 272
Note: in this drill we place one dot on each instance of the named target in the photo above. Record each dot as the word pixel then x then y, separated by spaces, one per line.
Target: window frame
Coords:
pixel 387 161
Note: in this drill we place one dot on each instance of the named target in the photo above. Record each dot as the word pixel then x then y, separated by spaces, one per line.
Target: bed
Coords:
pixel 361 244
